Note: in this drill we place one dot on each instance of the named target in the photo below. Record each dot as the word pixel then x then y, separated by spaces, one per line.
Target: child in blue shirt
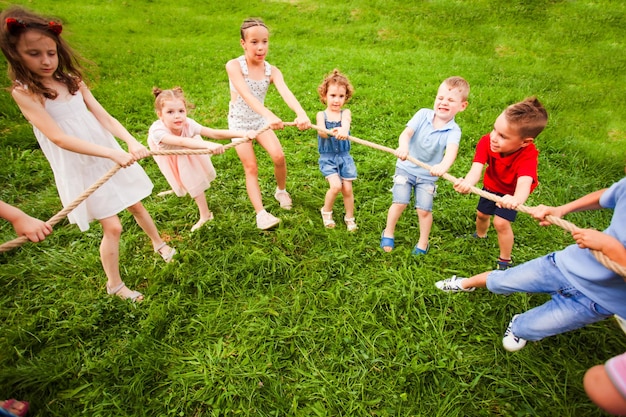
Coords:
pixel 431 136
pixel 583 290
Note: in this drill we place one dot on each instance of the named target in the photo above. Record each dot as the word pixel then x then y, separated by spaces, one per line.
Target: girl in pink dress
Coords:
pixel 174 130
pixel 77 136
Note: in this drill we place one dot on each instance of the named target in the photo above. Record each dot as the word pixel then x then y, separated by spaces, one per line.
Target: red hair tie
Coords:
pixel 55 27
pixel 14 25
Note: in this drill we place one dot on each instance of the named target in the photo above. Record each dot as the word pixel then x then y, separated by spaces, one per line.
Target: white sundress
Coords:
pixel 75 172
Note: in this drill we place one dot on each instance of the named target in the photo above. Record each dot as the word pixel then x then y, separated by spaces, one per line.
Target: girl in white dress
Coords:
pixel 77 136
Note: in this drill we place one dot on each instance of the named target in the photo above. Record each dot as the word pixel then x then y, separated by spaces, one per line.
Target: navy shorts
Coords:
pixel 489 207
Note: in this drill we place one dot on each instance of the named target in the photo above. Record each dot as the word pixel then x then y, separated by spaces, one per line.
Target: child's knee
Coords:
pixel 112 227
pixel 335 188
pixel 602 391
pixel 278 158
pixel 482 216
pixel 251 169
pixel 136 209
pixel 424 214
pixel 502 225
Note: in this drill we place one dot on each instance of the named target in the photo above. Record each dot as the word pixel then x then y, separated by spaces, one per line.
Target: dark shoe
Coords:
pixel 503 265
pixel 472 236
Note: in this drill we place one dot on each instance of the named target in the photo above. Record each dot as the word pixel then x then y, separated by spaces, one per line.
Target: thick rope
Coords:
pixel 12 244
pixel 568 226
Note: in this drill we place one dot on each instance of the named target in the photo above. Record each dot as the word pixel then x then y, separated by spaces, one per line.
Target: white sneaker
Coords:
pixel 622 322
pixel 453 285
pixel 283 197
pixel 511 342
pixel 265 221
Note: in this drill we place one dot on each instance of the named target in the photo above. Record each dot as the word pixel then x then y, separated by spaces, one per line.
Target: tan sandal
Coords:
pixel 350 224
pixel 327 217
pixel 167 256
pixel 134 295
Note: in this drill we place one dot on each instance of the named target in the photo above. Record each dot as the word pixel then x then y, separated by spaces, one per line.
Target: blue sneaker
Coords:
pixel 417 251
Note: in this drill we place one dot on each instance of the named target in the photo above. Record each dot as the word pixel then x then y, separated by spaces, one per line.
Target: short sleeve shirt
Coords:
pixel 428 144
pixel 158 130
pixel 503 172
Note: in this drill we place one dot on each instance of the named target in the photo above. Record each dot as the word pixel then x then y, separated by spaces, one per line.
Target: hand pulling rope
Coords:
pixel 12 244
pixel 568 226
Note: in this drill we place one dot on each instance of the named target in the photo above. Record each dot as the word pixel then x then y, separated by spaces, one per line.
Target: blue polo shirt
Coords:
pixel 584 271
pixel 428 144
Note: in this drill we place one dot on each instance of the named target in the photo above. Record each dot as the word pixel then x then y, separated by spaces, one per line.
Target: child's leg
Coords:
pixel 110 254
pixel 203 207
pixel 476 281
pixel 482 223
pixel 602 391
pixel 205 213
pixel 426 223
pixel 505 237
pixel 393 215
pixel 348 198
pixel 334 183
pixel 569 309
pixel 269 141
pixel 245 151
pixel 144 220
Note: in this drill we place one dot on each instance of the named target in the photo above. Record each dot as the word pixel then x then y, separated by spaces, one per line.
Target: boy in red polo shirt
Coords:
pixel 511 159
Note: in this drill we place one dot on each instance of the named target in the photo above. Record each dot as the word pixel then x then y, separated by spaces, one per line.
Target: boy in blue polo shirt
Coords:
pixel 431 136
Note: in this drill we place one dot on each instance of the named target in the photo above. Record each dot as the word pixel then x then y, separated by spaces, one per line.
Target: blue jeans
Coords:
pixel 569 309
pixel 404 184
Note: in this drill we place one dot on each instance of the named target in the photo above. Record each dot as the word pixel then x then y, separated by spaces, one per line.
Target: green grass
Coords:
pixel 304 321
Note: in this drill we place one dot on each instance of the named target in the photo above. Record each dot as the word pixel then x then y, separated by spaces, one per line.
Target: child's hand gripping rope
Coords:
pixel 17 242
pixel 564 224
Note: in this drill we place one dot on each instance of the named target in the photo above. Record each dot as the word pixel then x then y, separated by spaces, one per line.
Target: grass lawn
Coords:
pixel 301 320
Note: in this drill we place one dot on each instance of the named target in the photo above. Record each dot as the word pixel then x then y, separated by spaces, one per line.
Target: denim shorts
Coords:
pixel 568 309
pixel 404 184
pixel 341 164
pixel 489 207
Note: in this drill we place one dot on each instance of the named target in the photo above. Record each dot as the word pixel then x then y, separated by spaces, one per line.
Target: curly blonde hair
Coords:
pixel 336 78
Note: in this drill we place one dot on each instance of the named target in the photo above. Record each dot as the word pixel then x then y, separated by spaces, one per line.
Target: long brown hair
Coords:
pixel 15 21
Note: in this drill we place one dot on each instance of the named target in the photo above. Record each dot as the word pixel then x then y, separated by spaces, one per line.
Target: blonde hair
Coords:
pixel 528 116
pixel 249 23
pixel 336 78
pixel 161 96
pixel 459 83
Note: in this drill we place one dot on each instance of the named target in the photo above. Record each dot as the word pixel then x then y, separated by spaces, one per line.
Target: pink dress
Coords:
pixel 185 173
pixel 75 172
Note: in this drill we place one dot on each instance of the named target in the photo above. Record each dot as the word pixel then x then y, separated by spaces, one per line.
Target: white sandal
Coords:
pixel 134 295
pixel 329 223
pixel 167 257
pixel 350 224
